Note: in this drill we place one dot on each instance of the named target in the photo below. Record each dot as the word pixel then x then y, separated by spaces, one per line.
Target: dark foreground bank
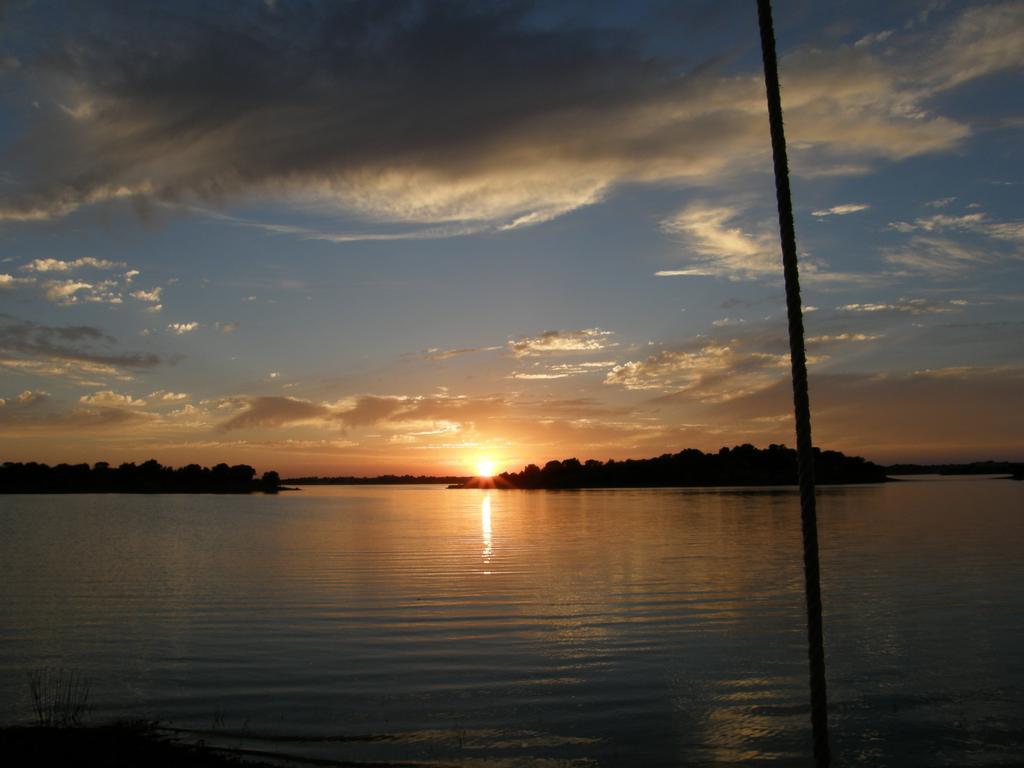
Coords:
pixel 110 746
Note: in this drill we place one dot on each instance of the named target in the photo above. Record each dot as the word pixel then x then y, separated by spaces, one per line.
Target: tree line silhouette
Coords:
pixel 741 465
pixel 148 477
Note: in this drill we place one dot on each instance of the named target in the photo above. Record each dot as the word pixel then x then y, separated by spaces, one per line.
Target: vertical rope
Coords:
pixel 801 401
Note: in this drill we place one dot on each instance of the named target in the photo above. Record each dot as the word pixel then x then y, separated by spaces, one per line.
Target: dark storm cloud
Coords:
pixel 422 111
pixel 370 409
pixel 301 92
pixel 25 421
pixel 274 411
pixel 37 342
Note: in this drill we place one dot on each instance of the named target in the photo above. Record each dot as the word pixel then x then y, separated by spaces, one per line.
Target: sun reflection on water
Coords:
pixel 485 529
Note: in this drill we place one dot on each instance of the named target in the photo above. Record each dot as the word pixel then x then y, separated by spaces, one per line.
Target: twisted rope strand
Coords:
pixel 801 400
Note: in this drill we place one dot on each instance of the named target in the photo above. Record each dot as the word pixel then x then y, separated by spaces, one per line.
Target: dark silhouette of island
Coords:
pixel 741 465
pixel 148 477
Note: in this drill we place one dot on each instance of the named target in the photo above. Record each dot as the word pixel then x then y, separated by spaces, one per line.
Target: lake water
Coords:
pixel 606 627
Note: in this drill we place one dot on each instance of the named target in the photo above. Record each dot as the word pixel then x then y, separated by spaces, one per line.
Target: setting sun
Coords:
pixel 485 468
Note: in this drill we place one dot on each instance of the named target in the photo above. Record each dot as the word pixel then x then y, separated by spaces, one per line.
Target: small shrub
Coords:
pixel 60 697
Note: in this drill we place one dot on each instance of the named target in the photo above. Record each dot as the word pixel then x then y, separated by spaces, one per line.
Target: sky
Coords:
pixel 369 237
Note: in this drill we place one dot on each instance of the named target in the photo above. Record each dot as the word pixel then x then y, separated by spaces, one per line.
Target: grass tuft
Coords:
pixel 60 697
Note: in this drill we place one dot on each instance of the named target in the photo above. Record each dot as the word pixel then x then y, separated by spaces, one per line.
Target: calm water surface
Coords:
pixel 612 627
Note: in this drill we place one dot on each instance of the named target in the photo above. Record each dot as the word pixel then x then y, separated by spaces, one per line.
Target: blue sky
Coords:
pixel 370 237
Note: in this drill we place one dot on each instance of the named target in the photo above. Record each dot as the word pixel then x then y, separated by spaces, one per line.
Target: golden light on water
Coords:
pixel 485 530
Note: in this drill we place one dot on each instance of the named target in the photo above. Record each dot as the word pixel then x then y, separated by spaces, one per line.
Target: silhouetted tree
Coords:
pixel 270 482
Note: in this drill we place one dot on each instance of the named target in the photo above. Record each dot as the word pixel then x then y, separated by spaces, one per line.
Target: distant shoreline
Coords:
pixel 1013 468
pixel 379 480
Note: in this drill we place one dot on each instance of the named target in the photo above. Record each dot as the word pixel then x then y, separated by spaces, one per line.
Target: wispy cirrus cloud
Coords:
pixel 947 245
pixel 710 373
pixel 937 257
pixel 548 371
pixel 917 306
pixel 723 241
pixel 360 411
pixel 561 342
pixel 832 338
pixel 719 246
pixel 976 223
pixel 538 375
pixel 436 353
pixel 845 209
pixel 333 236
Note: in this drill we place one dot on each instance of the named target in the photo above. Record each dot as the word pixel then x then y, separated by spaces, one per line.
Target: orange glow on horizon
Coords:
pixel 485 468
